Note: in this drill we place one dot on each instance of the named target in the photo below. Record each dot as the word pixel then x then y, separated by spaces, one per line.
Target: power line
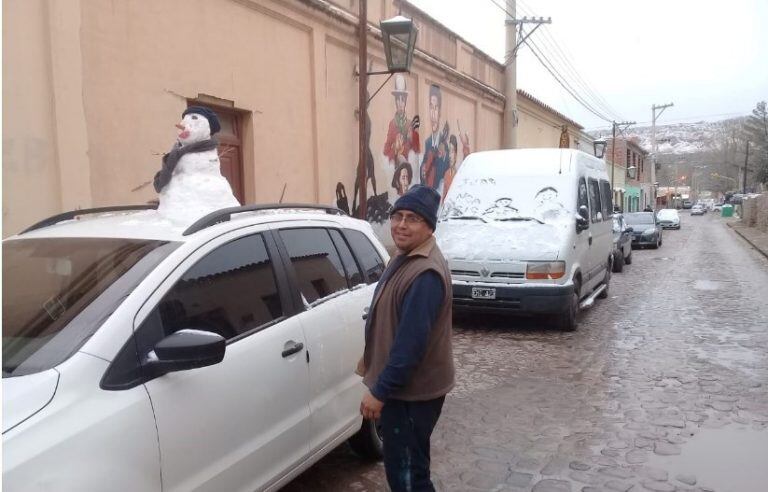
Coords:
pixel 549 40
pixel 561 80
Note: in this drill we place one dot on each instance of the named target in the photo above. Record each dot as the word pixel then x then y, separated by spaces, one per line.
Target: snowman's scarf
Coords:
pixel 163 176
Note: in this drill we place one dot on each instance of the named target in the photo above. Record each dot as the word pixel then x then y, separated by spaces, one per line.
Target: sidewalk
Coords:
pixel 755 237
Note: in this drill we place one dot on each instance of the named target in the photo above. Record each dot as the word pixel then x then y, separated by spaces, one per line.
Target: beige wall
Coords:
pixel 92 89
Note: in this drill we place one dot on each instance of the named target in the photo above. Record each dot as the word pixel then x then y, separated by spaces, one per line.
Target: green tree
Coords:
pixel 756 131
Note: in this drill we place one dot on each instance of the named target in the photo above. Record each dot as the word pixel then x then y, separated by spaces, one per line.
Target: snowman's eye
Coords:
pixel 194 117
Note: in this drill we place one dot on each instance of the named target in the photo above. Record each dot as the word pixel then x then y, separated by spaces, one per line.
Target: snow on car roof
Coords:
pixel 148 224
pixel 529 162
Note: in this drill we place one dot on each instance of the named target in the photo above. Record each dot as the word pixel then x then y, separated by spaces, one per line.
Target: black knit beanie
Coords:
pixel 421 200
pixel 213 120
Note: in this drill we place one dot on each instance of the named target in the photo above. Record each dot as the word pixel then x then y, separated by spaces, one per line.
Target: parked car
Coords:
pixel 219 357
pixel 669 218
pixel 528 231
pixel 697 210
pixel 646 230
pixel 622 243
pixel 687 204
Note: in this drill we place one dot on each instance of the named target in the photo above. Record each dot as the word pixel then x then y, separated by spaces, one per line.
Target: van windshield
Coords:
pixel 58 291
pixel 510 198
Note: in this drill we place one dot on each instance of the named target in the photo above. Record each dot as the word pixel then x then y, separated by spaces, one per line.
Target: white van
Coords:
pixel 528 231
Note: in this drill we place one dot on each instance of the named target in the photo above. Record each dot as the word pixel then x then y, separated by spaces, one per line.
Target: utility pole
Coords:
pixel 509 136
pixel 362 64
pixel 744 178
pixel 654 147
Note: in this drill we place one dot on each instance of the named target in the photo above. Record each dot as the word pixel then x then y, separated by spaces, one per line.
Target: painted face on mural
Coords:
pixel 404 181
pixel 434 113
pixel 400 101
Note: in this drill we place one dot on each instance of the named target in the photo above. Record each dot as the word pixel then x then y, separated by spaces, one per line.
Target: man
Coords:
pixel 435 160
pixel 408 360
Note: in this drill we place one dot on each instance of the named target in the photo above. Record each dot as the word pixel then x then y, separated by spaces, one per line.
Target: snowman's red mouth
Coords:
pixel 184 134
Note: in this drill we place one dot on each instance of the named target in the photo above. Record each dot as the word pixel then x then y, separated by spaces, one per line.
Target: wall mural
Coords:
pixel 403 161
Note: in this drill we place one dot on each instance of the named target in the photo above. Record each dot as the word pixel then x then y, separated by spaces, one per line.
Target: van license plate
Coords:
pixel 481 293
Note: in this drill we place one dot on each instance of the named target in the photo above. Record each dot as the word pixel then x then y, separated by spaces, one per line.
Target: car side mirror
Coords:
pixel 629 229
pixel 186 349
pixel 584 212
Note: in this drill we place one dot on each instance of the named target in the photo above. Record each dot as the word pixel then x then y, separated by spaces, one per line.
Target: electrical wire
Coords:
pixel 594 105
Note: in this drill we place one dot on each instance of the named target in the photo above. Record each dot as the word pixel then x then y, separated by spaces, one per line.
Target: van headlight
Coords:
pixel 545 270
pixel 649 232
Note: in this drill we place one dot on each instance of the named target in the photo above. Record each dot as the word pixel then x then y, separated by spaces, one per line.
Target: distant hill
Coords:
pixel 681 138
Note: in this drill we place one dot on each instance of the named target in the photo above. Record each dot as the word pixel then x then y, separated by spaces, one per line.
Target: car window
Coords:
pixel 318 267
pixel 354 275
pixel 58 291
pixel 594 201
pixel 606 198
pixel 230 291
pixel 369 258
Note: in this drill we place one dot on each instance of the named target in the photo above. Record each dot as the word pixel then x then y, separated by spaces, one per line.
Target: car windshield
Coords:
pixel 667 214
pixel 641 218
pixel 509 198
pixel 58 291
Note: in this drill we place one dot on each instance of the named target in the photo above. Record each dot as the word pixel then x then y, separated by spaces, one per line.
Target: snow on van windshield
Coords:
pixel 508 198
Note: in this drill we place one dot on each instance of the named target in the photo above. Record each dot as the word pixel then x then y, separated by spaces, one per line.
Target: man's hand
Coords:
pixel 370 407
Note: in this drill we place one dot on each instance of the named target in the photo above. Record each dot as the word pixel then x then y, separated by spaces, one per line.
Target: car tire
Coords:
pixel 656 245
pixel 568 321
pixel 607 282
pixel 618 262
pixel 628 259
pixel 367 442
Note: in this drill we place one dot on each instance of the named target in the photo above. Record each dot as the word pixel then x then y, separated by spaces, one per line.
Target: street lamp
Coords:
pixel 599 146
pixel 399 36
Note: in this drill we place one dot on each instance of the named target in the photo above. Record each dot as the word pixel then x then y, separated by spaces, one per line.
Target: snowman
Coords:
pixel 190 183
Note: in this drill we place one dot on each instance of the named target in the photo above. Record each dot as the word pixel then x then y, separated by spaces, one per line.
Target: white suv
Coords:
pixel 137 356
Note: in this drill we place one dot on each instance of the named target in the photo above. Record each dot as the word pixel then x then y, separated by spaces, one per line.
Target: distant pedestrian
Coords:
pixel 408 359
pixel 647 209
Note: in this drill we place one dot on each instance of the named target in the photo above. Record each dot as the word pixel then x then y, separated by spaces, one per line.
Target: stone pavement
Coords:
pixel 662 387
pixel 755 237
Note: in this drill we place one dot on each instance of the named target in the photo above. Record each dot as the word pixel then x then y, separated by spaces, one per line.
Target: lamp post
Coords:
pixel 399 37
pixel 599 146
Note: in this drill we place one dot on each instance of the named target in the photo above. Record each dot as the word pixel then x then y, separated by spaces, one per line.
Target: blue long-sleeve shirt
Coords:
pixel 421 305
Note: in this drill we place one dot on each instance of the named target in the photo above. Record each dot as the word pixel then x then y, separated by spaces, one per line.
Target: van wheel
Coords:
pixel 367 442
pixel 618 262
pixel 606 281
pixel 568 321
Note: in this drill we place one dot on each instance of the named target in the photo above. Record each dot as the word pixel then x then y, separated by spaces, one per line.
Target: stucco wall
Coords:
pixel 92 90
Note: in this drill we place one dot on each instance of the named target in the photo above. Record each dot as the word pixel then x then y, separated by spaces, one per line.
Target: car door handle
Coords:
pixel 292 347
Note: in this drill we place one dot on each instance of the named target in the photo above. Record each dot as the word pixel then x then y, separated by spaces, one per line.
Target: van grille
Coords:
pixel 466 273
pixel 507 275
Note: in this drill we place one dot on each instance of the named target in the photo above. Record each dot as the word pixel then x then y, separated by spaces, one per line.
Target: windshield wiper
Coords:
pixel 520 218
pixel 466 217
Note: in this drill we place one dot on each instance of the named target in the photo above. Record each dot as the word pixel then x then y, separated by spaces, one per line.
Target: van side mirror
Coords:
pixel 582 220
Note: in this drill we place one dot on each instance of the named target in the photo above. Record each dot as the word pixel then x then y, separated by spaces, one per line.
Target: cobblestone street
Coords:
pixel 662 387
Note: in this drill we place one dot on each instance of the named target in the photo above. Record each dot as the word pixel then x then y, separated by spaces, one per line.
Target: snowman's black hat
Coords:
pixel 213 120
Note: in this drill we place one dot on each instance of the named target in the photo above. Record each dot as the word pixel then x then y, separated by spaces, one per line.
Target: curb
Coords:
pixel 756 247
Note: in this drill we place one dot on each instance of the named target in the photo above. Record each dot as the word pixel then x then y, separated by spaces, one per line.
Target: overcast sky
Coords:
pixel 708 57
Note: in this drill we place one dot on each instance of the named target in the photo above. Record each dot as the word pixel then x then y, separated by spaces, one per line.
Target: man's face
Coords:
pixel 434 113
pixel 400 101
pixel 409 230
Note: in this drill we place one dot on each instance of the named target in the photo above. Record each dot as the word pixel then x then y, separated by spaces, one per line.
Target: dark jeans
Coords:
pixel 406 427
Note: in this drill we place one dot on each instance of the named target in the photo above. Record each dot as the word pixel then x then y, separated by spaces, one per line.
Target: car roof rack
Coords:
pixel 225 214
pixel 55 219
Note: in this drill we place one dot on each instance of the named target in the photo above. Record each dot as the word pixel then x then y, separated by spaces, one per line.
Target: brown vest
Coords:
pixel 434 376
